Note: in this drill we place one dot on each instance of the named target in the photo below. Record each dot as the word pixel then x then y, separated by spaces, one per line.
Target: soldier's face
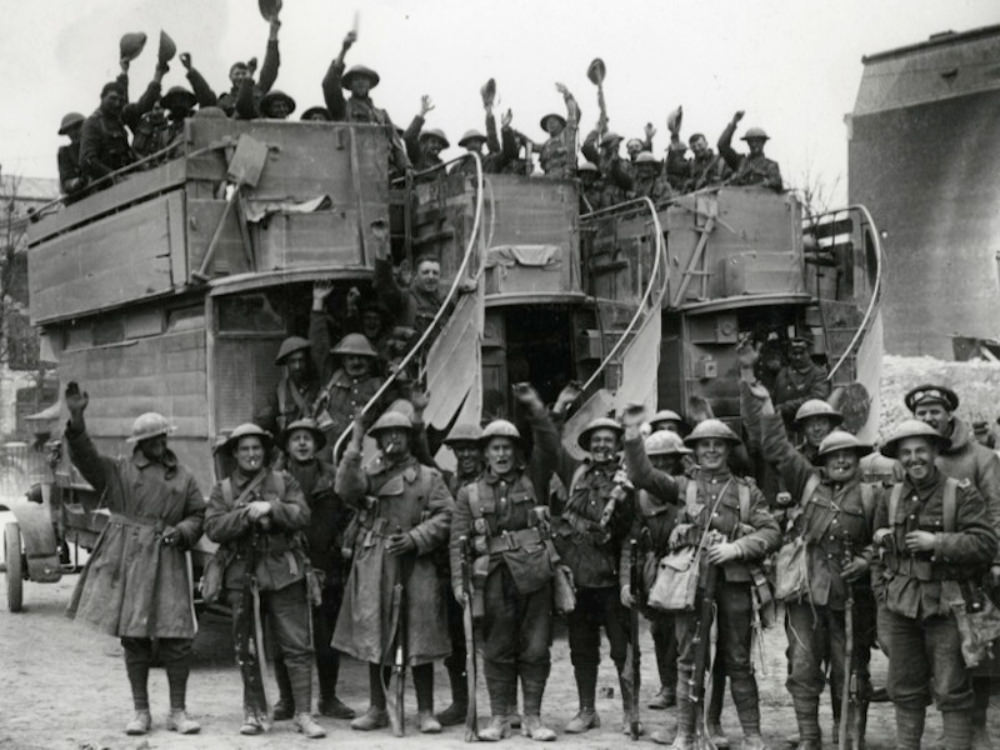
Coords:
pixel 634 148
pixel 841 466
pixel 429 275
pixel 667 462
pixel 917 456
pixel 371 324
pixel 297 366
pixel 712 453
pixel 474 146
pixel 798 356
pixel 756 146
pixel 433 146
pixel 815 429
pixel 468 456
pixel 356 366
pixel 936 416
pixel 699 146
pixel 360 86
pixel 603 445
pixel 394 443
pixel 279 109
pixel 237 73
pixel 667 425
pixel 500 455
pixel 154 448
pixel 112 103
pixel 553 126
pixel 302 446
pixel 249 454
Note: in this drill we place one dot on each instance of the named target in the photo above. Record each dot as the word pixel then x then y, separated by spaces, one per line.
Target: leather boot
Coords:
pixel 586 688
pixel 373 718
pixel 455 713
pixel 753 742
pixel 252 723
pixel 333 707
pixel 586 718
pixel 628 695
pixel 498 729
pixel 957 729
pixel 140 723
pixel 305 724
pixel 533 689
pixel 284 709
pixel 666 698
pixel 909 728
pixel 807 718
pixel 981 739
pixel 427 723
pixel 500 692
pixel 179 722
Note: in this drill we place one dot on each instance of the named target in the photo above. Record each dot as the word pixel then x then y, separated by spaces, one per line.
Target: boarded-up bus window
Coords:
pixel 109 330
pixel 248 313
pixel 144 323
pixel 79 336
pixel 186 318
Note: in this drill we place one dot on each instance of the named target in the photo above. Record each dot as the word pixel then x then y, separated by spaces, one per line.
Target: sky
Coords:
pixel 793 66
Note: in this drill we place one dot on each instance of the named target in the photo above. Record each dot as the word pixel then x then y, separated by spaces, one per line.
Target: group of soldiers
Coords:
pixel 333 554
pixel 100 150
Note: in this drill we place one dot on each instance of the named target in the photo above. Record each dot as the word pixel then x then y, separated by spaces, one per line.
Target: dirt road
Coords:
pixel 65 687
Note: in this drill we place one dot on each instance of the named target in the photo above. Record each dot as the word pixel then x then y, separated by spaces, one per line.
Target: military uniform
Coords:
pixel 104 143
pixel 694 173
pixel 513 570
pixel 925 657
pixel 273 558
pixel 268 75
pixel 411 307
pixel 342 398
pixel 71 177
pixel 501 151
pixel 411 499
pixel 656 187
pixel 748 169
pixel 837 522
pixel 731 506
pixel 557 155
pixel 793 387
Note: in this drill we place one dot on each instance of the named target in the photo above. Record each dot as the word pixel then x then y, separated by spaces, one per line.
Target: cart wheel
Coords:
pixel 15 569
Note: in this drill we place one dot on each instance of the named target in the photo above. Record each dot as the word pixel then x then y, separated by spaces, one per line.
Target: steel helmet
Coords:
pixel 601 423
pixel 310 114
pixel 391 420
pixel 464 433
pixel 359 71
pixel 556 115
pixel 209 112
pixel 666 415
pixel 178 97
pixel 471 135
pixel 712 428
pixel 149 425
pixel 271 97
pixel 269 8
pixel 69 120
pixel 587 166
pixel 611 137
pixel 665 443
pixel 816 407
pixel 500 428
pixel 356 344
pixel 304 424
pixel 435 133
pixel 755 132
pixel 839 440
pixel 289 346
pixel 167 48
pixel 930 394
pixel 646 158
pixel 910 428
pixel 131 45
pixel 248 429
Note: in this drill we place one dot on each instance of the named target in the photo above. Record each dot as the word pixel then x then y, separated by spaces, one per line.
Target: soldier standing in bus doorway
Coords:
pixel 965 459
pixel 753 168
pixel 257 516
pixel 296 392
pixel 736 510
pixel 404 516
pixel 799 381
pixel 938 539
pixel 505 516
pixel 589 535
pixel 415 305
pixel 655 519
pixel 137 584
pixel 302 440
pixel 834 514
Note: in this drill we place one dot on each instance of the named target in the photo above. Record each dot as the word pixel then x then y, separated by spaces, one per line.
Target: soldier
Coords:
pixel 241 73
pixel 937 535
pixel 668 419
pixel 71 178
pixel 399 532
pixel 649 181
pixel 617 172
pixel 505 516
pixel 276 105
pixel 557 155
pixel 302 440
pixel 753 168
pixel 834 514
pixel 501 151
pixel 350 388
pixel 257 515
pixel 654 522
pixel 636 146
pixel 589 533
pixel 964 459
pixel 591 187
pixel 799 381
pixel 297 389
pixel 416 305
pixel 814 421
pixel 704 169
pixel 136 584
pixel 316 114
pixel 424 147
pixel 734 511
pixel 359 80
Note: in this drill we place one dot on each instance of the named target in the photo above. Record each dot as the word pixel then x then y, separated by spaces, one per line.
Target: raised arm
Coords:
pixel 776 447
pixel 351 483
pixel 94 467
pixel 202 91
pixel 272 58
pixel 545 441
pixel 132 113
pixel 733 159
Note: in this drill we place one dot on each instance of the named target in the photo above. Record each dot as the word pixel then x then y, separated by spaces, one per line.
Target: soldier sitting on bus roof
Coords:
pixel 636 146
pixel 423 147
pixel 71 178
pixel 557 155
pixel 359 80
pixel 753 168
pixel 239 71
pixel 316 114
pixel 274 105
pixel 703 169
pixel 104 144
pixel 601 147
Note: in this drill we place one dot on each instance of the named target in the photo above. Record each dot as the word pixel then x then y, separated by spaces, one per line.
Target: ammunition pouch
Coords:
pixel 978 619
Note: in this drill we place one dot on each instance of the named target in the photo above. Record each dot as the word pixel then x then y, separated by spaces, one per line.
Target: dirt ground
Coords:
pixel 66 688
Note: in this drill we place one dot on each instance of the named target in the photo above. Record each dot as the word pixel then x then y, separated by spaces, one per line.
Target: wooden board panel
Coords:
pixel 245 375
pixel 203 218
pixel 321 238
pixel 121 258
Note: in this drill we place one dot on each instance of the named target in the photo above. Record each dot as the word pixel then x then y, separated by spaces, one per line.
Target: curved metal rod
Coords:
pixel 876 287
pixel 449 298
pixel 657 263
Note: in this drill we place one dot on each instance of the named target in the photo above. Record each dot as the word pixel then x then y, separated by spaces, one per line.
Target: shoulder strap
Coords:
pixel 577 476
pixel 868 501
pixel 743 490
pixel 949 506
pixel 475 502
pixel 227 491
pixel 812 484
pixel 897 492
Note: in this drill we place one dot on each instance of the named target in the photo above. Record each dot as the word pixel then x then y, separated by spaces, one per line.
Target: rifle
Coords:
pixel 850 705
pixel 250 646
pixel 635 584
pixel 397 713
pixel 468 624
pixel 702 645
